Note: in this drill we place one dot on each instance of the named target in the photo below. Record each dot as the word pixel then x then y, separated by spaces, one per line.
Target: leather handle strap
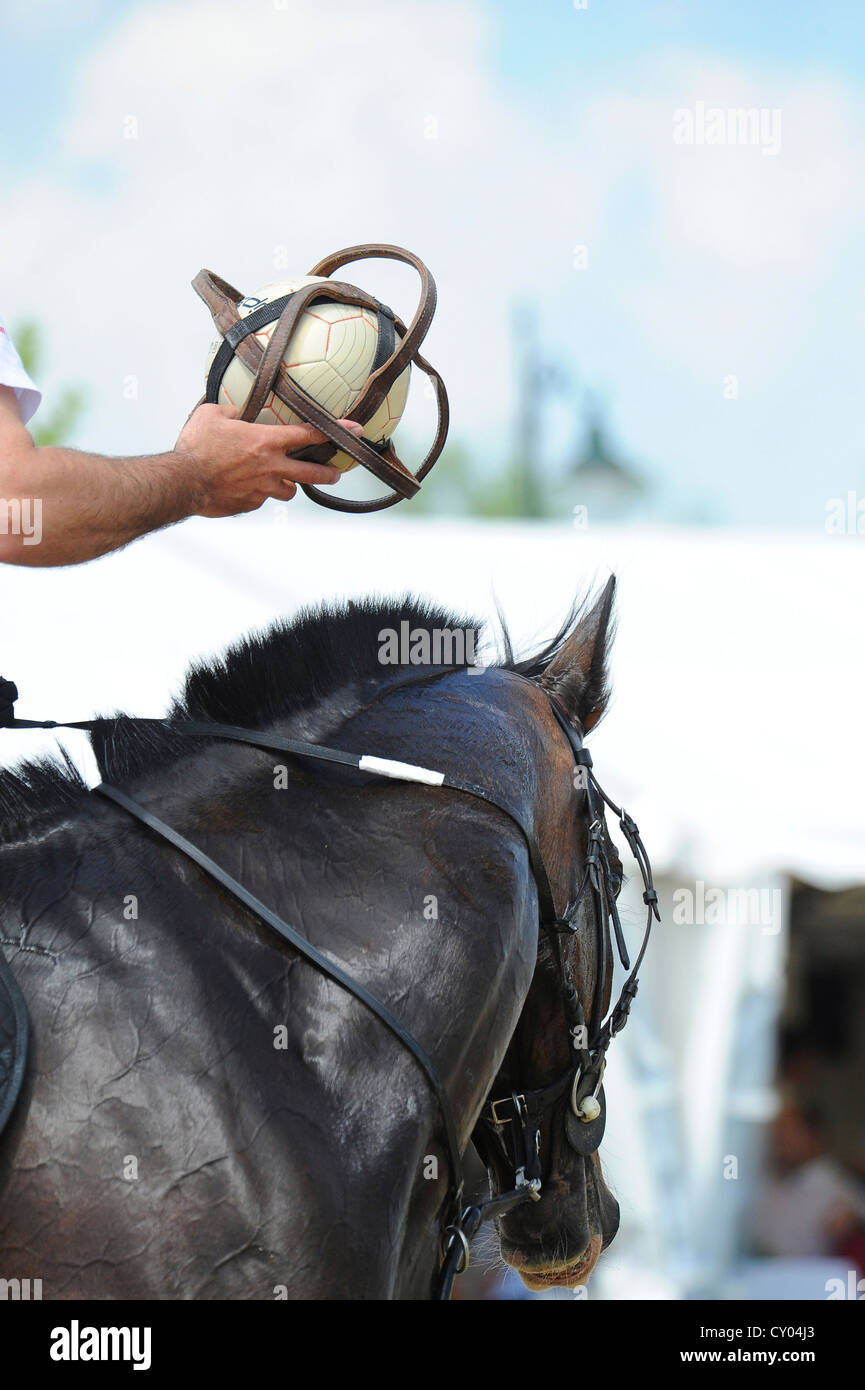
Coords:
pixel 266 366
pixel 267 363
pixel 423 316
pixel 347 504
pixel 220 297
pixel 379 382
pixel 271 375
pixel 223 300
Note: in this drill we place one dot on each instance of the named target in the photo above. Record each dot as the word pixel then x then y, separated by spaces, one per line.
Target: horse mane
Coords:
pixel 326 657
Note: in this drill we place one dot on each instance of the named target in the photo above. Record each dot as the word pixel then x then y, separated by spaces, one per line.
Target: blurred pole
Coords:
pixel 537 378
pixel 528 498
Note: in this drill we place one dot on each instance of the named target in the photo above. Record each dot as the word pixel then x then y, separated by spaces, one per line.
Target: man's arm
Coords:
pixel 62 506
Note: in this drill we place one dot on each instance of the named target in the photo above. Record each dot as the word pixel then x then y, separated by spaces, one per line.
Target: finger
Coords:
pixel 292 437
pixel 230 411
pixel 284 490
pixel 303 472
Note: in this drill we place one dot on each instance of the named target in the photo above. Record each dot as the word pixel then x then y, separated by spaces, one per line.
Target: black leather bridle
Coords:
pixel 511 1124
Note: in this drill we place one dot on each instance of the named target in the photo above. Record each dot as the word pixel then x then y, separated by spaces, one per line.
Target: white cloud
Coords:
pixel 740 239
pixel 260 127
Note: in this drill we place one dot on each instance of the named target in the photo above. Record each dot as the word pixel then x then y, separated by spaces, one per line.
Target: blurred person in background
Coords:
pixel 64 506
pixel 806 1204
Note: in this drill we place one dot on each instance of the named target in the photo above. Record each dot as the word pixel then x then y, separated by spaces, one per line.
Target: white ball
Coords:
pixel 590 1109
pixel 330 355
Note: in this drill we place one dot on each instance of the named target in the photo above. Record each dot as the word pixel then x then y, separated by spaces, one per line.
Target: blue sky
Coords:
pixel 535 48
pixel 555 132
pixel 40 55
pixel 545 40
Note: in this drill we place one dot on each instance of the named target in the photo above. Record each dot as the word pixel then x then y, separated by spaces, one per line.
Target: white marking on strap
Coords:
pixel 405 772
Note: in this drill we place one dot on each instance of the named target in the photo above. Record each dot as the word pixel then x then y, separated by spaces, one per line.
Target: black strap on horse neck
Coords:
pixel 458 1225
pixel 328 967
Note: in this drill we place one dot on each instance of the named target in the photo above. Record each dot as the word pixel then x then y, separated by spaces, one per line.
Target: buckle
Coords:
pixel 515 1101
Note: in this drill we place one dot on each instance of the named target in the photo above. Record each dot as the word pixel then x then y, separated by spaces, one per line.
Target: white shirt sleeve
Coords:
pixel 12 374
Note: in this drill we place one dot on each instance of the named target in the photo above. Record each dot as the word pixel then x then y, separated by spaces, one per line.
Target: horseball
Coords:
pixel 291 353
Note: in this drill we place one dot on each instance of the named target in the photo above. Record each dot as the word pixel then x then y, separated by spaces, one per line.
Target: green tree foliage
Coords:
pixel 68 407
pixel 456 488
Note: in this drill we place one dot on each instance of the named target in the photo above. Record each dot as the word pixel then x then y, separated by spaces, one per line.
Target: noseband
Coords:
pixel 512 1124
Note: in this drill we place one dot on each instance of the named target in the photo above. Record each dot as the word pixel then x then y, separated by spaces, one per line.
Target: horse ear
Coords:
pixel 577 672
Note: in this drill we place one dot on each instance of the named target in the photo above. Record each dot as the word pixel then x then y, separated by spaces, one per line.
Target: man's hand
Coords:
pixel 77 505
pixel 239 465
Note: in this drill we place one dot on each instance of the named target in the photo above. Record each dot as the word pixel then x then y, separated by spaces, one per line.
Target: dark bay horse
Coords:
pixel 205 1115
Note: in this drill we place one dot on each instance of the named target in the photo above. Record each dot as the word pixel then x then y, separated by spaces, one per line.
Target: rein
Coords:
pixel 585 1115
